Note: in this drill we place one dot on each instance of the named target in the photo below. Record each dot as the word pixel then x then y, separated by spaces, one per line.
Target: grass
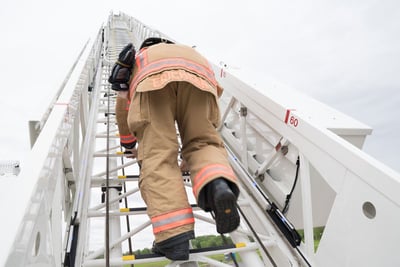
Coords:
pixel 318 231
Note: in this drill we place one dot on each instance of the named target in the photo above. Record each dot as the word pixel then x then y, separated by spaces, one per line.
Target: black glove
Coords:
pixel 122 69
pixel 127 56
pixel 119 77
pixel 120 86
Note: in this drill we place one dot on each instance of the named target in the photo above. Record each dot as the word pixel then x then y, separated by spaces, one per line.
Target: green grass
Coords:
pixel 318 231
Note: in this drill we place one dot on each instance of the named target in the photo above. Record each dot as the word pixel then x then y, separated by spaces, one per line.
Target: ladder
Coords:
pixel 300 166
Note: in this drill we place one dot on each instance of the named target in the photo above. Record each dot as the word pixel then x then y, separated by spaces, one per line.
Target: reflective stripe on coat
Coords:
pixel 160 64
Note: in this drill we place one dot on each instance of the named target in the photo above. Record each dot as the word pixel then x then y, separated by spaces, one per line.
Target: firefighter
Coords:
pixel 171 86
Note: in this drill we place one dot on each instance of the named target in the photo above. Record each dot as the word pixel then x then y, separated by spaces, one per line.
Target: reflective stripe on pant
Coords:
pixel 152 119
pixel 172 220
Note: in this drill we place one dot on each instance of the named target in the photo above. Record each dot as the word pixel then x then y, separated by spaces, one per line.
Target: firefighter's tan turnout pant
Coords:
pixel 151 119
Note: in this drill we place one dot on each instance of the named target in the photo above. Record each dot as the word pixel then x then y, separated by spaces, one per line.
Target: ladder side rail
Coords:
pixel 340 165
pixel 27 236
pixel 60 91
pixel 142 31
pixel 79 221
pixel 347 156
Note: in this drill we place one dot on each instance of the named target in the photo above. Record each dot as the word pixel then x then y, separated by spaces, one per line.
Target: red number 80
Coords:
pixel 294 121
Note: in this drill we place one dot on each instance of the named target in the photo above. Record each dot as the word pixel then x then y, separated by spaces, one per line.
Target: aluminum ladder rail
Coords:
pixel 274 133
pixel 103 174
pixel 40 200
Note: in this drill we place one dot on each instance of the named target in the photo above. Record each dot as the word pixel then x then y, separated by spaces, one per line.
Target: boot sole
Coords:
pixel 227 217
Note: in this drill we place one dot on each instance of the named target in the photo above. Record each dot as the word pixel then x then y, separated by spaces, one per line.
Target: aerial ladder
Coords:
pixel 299 163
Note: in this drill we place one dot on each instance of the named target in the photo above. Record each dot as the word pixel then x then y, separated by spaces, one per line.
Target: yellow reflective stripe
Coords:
pixel 240 245
pixel 128 257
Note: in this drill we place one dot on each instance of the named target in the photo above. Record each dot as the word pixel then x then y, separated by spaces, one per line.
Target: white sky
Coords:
pixel 344 53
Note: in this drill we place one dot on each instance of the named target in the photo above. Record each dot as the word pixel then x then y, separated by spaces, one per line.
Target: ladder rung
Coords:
pixel 126 211
pixel 105 136
pixel 105 121
pixel 144 208
pixel 117 154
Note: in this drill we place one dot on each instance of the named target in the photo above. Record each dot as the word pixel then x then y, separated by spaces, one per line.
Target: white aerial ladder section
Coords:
pixel 299 163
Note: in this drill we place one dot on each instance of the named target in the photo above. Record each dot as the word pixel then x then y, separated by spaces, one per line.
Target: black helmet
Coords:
pixel 154 40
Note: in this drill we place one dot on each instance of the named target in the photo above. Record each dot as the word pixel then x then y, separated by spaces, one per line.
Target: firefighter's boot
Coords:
pixel 222 201
pixel 175 248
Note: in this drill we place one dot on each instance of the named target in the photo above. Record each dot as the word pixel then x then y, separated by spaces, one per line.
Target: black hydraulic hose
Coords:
pixel 289 196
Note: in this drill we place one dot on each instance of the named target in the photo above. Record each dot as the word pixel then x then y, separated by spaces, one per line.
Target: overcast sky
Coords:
pixel 345 53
